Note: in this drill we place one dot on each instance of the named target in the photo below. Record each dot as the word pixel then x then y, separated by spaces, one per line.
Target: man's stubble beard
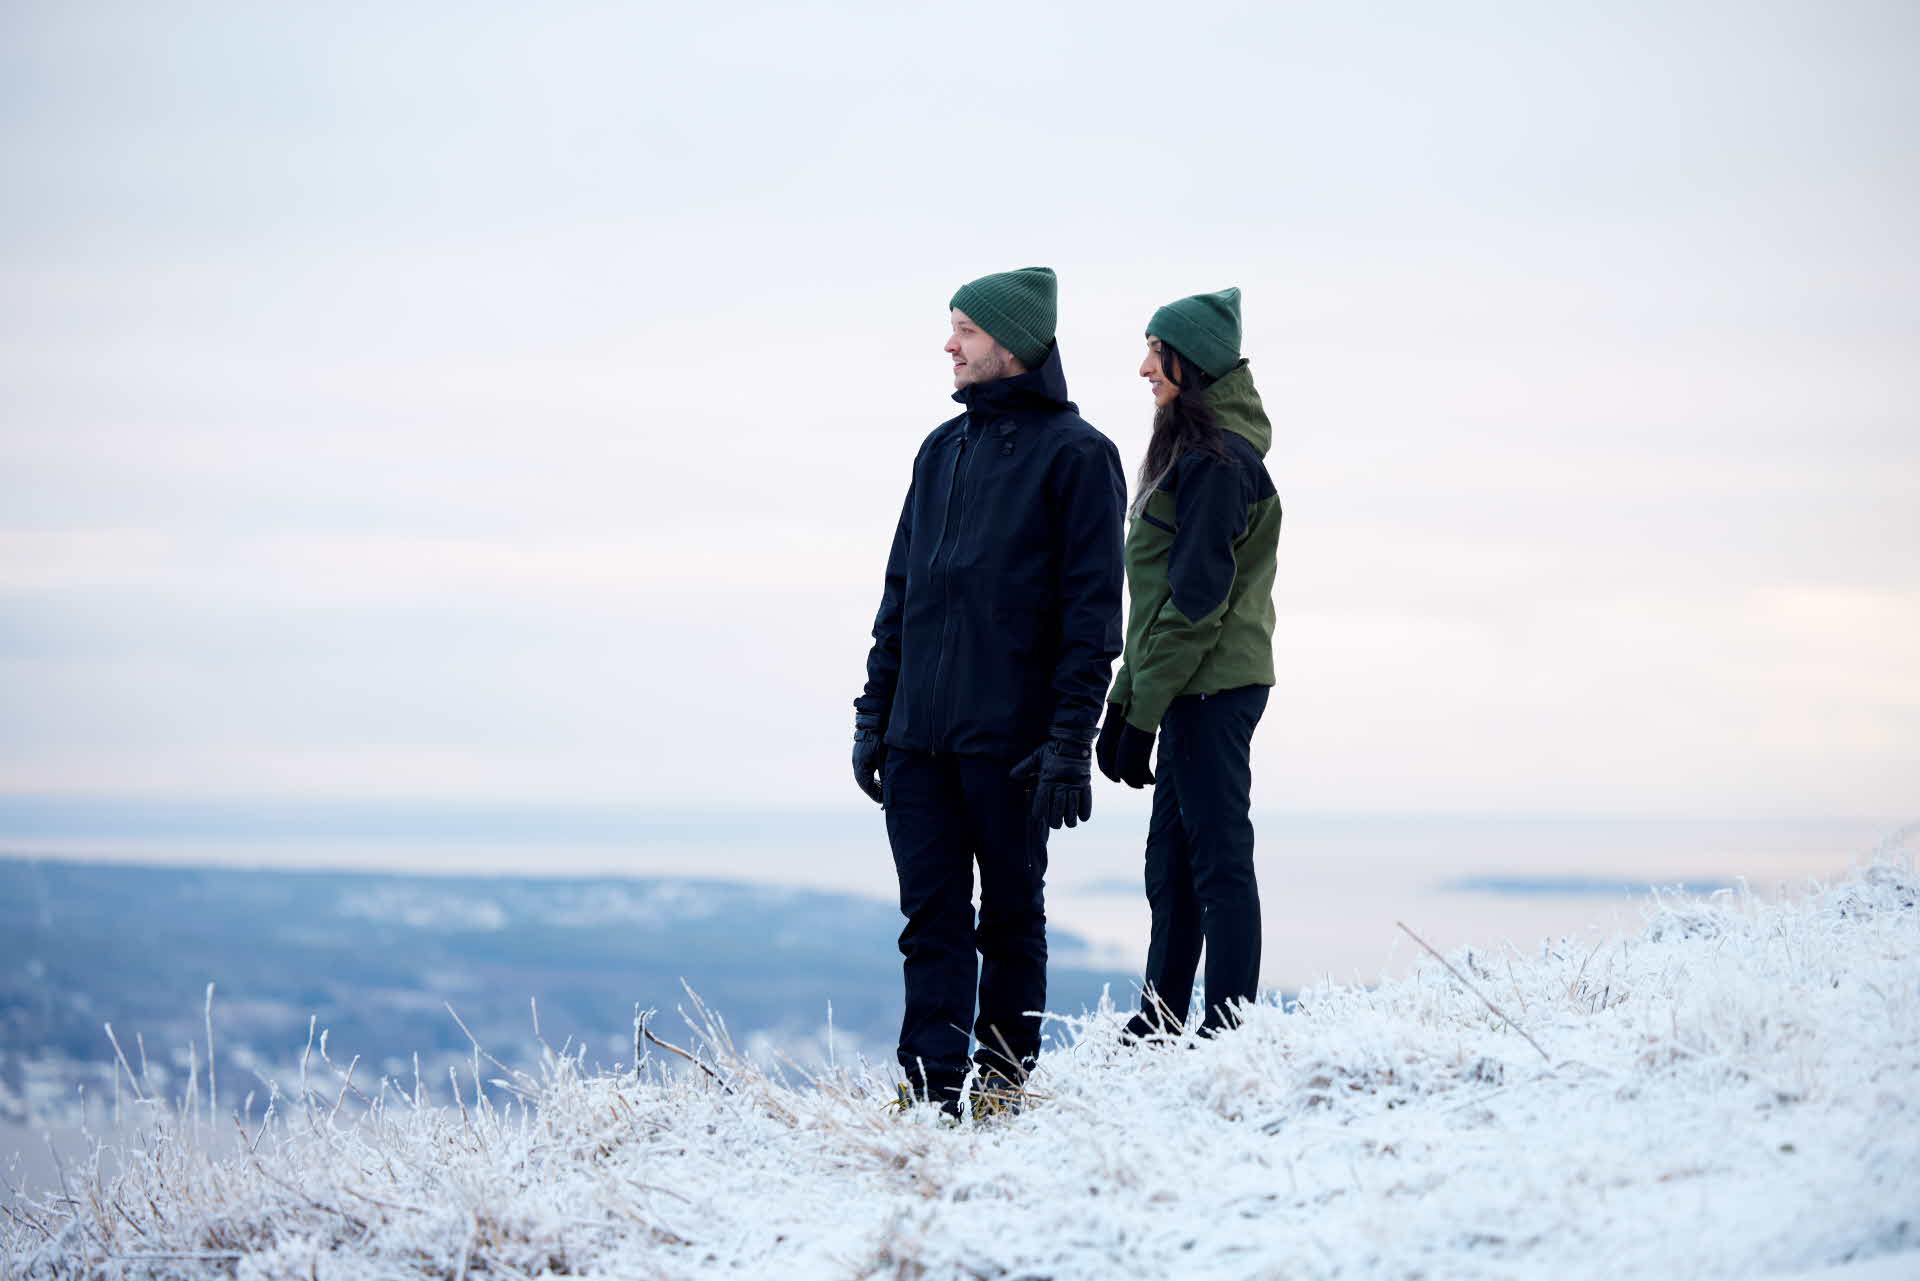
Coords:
pixel 989 368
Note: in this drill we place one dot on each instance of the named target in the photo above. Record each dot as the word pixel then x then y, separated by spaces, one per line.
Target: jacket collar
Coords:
pixel 1041 389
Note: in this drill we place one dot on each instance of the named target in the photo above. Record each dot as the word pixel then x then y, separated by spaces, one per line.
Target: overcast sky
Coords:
pixel 449 401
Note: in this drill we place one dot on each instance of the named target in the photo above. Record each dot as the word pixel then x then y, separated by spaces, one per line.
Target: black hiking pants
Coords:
pixel 944 814
pixel 1200 880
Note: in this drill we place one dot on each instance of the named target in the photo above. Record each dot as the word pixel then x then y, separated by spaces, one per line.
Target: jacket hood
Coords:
pixel 1043 387
pixel 1236 404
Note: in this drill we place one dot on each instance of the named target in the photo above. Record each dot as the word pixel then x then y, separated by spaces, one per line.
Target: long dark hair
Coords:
pixel 1182 425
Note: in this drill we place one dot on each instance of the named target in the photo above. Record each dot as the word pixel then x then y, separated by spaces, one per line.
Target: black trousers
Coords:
pixel 1200 879
pixel 944 814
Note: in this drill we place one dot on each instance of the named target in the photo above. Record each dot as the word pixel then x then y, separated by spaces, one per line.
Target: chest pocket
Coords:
pixel 1155 524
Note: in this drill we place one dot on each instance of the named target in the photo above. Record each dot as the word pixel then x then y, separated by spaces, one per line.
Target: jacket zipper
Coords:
pixel 956 492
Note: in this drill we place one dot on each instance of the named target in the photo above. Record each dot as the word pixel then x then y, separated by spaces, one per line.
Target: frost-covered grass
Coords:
pixel 1733 1092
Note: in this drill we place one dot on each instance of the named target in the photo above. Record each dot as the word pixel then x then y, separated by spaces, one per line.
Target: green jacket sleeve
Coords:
pixel 1211 517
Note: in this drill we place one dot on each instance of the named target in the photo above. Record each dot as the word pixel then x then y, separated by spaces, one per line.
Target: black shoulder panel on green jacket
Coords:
pixel 1212 496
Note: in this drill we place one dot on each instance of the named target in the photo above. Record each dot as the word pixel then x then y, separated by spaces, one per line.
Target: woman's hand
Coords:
pixel 1134 756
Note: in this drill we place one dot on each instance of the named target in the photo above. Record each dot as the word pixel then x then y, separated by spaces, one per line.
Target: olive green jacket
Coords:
pixel 1200 555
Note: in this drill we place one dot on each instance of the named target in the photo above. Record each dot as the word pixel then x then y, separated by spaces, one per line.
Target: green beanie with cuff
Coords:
pixel 1204 328
pixel 1016 308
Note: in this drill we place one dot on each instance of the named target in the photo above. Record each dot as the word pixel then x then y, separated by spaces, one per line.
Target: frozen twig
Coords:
pixel 346 1083
pixel 213 1080
pixel 480 1053
pixel 306 1058
pixel 121 1055
pixel 1476 991
pixel 647 1032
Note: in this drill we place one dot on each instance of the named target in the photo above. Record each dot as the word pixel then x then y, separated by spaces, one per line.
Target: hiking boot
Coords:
pixel 904 1098
pixel 997 1096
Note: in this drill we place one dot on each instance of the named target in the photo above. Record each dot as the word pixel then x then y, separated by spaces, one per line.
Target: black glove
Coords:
pixel 869 753
pixel 1107 749
pixel 1061 774
pixel 1133 755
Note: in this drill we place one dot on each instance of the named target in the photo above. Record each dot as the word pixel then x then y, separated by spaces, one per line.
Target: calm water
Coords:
pixel 1332 886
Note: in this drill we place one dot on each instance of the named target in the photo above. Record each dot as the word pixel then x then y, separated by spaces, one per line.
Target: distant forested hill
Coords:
pixel 376 958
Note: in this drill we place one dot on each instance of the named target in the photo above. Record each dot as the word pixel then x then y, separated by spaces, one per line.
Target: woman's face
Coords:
pixel 1154 371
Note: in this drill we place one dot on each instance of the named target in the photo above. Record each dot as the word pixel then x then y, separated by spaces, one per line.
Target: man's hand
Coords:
pixel 1061 775
pixel 1107 749
pixel 869 754
pixel 1134 756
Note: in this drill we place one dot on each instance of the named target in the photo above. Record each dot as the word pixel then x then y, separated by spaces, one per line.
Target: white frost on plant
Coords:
pixel 1734 1092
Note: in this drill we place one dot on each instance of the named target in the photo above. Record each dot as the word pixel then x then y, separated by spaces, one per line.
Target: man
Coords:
pixel 997 628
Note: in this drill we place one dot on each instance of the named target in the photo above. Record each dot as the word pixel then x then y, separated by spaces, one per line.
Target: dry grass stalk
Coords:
pixel 1502 1014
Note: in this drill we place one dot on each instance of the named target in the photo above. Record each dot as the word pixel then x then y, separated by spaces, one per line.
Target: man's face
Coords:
pixel 977 358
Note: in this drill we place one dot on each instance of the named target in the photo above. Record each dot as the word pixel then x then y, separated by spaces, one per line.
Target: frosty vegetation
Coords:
pixel 1733 1092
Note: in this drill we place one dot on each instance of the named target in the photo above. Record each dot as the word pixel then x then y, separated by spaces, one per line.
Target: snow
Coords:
pixel 1889 1267
pixel 1732 1091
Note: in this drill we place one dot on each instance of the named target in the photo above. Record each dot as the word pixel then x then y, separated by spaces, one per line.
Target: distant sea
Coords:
pixel 1333 886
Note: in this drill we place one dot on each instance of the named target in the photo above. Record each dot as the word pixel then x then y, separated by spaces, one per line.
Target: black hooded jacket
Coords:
pixel 1001 615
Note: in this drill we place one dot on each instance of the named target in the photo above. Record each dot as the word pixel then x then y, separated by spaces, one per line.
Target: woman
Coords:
pixel 1199 658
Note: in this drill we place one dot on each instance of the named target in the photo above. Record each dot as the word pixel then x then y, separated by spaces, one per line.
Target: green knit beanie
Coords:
pixel 1205 328
pixel 1015 307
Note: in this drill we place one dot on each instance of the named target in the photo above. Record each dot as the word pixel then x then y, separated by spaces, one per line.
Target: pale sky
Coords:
pixel 514 402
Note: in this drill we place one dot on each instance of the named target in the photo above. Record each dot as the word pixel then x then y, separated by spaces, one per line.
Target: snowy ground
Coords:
pixel 1732 1092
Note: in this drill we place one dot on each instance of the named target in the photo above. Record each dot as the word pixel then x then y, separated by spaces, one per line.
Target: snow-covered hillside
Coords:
pixel 1733 1092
